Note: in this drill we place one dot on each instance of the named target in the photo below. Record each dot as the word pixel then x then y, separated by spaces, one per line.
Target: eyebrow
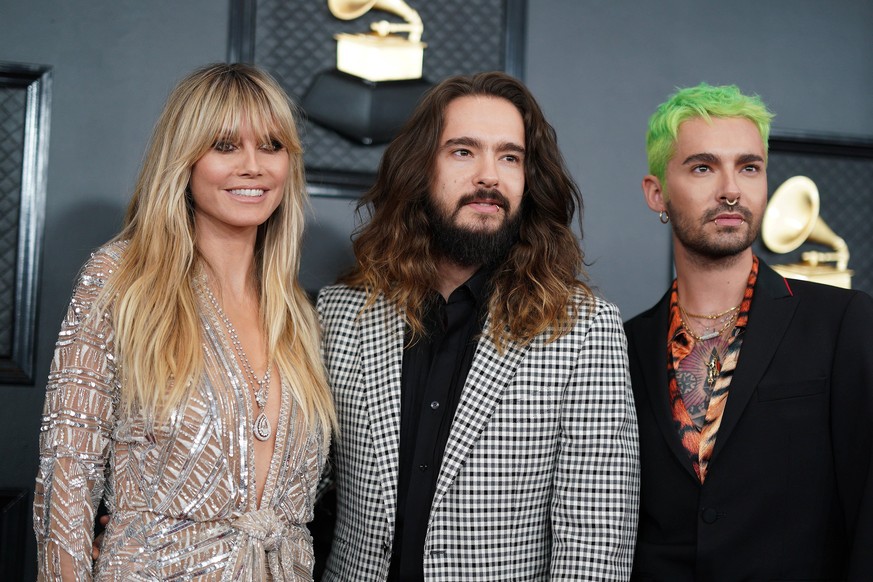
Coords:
pixel 708 158
pixel 506 146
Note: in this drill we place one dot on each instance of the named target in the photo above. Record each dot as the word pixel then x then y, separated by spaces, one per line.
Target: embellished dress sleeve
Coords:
pixel 74 440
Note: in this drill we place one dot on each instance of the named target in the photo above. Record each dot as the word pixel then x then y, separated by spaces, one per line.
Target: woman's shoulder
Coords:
pixel 109 254
pixel 102 263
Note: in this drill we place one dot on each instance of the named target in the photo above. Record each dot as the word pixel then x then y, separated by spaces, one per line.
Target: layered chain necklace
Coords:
pixel 261 428
pixel 713 361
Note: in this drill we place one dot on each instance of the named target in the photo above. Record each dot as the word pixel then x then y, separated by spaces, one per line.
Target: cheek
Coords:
pixel 281 168
pixel 515 190
pixel 204 173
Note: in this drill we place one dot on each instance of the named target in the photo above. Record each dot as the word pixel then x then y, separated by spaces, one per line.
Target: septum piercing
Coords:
pixel 732 203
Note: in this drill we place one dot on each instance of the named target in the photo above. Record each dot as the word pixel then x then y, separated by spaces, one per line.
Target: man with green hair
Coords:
pixel 754 393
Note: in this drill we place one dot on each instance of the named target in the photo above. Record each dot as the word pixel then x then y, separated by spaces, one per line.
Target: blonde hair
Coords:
pixel 158 334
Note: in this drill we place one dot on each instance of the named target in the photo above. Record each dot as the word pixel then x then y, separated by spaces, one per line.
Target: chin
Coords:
pixel 481 223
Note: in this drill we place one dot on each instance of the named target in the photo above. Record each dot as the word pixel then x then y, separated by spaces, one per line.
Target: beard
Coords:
pixel 470 246
pixel 728 241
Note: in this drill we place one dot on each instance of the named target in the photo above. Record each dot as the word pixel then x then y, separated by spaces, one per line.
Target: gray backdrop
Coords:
pixel 598 67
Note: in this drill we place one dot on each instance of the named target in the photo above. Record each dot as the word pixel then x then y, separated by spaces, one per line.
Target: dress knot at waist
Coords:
pixel 263 525
pixel 269 548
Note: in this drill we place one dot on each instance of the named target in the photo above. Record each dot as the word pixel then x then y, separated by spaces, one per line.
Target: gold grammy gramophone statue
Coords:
pixel 378 77
pixel 790 220
pixel 380 55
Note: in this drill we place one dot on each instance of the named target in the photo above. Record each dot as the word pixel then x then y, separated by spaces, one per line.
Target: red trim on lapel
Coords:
pixel 787 286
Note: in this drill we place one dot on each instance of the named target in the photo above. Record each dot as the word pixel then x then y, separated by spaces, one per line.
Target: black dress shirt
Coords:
pixel 434 371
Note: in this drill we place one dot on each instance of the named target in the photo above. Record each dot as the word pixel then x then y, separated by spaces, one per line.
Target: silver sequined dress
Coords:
pixel 182 494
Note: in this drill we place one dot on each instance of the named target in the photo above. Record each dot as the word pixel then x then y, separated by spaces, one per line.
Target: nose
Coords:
pixel 249 163
pixel 486 174
pixel 730 189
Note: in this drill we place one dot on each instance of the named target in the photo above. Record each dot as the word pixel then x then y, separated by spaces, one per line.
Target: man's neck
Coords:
pixel 452 276
pixel 711 286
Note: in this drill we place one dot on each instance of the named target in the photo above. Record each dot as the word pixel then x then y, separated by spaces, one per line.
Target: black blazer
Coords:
pixel 789 488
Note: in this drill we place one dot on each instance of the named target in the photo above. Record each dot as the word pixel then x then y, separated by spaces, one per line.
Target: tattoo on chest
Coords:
pixel 697 375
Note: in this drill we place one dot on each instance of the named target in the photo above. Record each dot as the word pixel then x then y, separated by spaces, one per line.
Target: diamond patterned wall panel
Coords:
pixel 294 41
pixel 845 186
pixel 12 109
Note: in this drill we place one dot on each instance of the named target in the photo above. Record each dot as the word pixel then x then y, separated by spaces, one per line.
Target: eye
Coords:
pixel 224 146
pixel 273 146
pixel 512 158
pixel 701 169
pixel 462 153
pixel 751 169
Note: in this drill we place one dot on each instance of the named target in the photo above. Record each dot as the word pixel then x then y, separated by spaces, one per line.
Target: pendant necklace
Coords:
pixel 261 428
pixel 713 367
pixel 713 362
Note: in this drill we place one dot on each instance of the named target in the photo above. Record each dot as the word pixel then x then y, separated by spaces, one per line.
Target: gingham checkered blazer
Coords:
pixel 540 475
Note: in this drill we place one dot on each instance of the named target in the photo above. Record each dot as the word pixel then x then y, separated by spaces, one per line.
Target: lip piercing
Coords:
pixel 732 202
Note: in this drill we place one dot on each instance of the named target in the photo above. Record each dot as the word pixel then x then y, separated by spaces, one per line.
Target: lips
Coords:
pixel 729 220
pixel 489 203
pixel 729 217
pixel 492 199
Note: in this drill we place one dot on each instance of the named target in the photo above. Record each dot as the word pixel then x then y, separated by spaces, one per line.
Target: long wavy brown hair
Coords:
pixel 534 290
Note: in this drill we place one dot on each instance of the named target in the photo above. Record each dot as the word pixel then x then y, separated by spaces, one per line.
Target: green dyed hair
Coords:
pixel 704 101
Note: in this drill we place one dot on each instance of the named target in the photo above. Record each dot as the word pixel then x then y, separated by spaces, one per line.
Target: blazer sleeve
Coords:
pixel 595 503
pixel 75 432
pixel 852 427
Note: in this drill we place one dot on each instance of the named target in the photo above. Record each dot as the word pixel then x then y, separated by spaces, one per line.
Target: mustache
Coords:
pixel 725 209
pixel 485 195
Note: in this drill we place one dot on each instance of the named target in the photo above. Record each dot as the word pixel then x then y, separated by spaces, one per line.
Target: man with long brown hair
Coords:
pixel 487 428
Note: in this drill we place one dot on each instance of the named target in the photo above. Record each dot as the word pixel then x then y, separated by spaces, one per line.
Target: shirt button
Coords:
pixel 434 405
pixel 709 515
pixel 422 467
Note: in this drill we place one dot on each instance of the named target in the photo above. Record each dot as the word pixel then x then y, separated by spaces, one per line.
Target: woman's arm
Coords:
pixel 75 431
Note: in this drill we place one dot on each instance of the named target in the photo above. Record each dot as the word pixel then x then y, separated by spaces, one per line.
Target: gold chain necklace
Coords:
pixel 261 428
pixel 711 316
pixel 729 322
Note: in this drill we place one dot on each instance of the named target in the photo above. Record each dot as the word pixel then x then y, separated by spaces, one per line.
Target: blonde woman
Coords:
pixel 186 388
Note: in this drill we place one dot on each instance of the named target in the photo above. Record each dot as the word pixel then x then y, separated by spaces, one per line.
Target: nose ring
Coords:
pixel 732 202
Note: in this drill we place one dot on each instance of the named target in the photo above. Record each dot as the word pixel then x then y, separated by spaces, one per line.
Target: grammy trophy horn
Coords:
pixel 792 218
pixel 351 9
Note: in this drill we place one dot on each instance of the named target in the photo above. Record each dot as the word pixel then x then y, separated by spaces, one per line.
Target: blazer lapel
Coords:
pixel 771 312
pixel 650 343
pixel 382 335
pixel 490 374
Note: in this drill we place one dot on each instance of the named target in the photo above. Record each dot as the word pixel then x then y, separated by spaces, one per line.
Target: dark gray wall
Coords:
pixel 114 61
pixel 599 67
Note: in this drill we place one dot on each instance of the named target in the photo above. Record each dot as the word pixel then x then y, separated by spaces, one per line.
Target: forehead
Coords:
pixel 722 136
pixel 484 118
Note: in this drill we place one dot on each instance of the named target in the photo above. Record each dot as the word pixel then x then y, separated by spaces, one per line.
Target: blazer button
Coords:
pixel 709 515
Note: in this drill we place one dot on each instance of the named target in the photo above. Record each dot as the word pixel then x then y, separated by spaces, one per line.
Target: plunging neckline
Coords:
pixel 240 390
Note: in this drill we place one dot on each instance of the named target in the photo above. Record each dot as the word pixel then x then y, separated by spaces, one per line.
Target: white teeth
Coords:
pixel 247 192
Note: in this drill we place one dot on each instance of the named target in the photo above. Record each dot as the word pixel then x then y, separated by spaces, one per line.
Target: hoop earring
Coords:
pixel 663 217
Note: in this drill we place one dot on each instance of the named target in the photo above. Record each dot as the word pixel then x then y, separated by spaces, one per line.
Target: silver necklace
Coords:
pixel 261 428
